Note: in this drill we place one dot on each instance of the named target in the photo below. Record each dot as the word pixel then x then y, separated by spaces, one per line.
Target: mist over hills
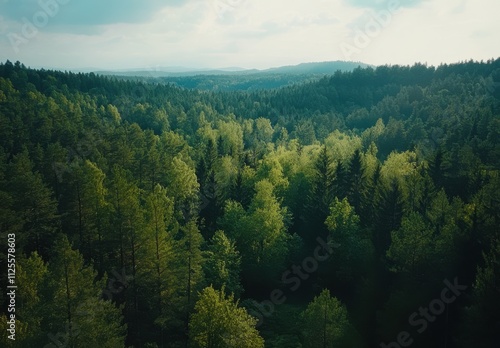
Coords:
pixel 234 78
pixel 303 68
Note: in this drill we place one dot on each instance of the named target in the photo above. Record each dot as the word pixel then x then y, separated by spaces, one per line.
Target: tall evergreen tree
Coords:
pixel 320 197
pixel 157 277
pixel 90 209
pixel 356 181
pixel 389 215
pixel 34 205
pixel 73 307
pixel 340 180
pixel 188 266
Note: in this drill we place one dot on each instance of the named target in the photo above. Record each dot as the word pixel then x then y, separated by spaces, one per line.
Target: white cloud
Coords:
pixel 259 33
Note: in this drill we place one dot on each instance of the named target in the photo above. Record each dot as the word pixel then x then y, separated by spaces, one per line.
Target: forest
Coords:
pixel 241 79
pixel 361 209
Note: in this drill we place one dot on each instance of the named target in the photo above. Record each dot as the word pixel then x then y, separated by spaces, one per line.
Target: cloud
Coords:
pixel 448 34
pixel 78 13
pixel 382 4
pixel 250 33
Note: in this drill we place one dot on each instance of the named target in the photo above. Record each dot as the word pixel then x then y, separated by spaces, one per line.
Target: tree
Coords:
pixel 340 180
pixel 73 304
pixel 209 202
pixel 222 264
pixel 390 213
pixel 31 274
pixel 183 188
pixel 412 245
pixel 342 220
pixel 356 181
pixel 259 233
pixel 152 163
pixel 352 247
pixel 189 271
pixel 371 197
pixel 129 239
pixel 326 323
pixel 437 168
pixel 157 278
pixel 34 205
pixel 90 210
pixel 266 228
pixel 482 317
pixel 218 322
pixel 320 196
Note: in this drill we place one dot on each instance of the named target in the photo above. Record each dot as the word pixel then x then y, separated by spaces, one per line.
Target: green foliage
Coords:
pixel 353 250
pixel 412 245
pixel 62 302
pixel 326 323
pixel 34 204
pixel 188 267
pixel 342 219
pixel 259 232
pixel 158 256
pixel 219 322
pixel 400 162
pixel 481 317
pixel 222 264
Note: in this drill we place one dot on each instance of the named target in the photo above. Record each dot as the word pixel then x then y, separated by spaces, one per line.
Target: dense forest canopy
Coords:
pixel 358 210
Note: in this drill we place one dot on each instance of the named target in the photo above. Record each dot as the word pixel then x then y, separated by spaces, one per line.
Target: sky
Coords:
pixel 151 34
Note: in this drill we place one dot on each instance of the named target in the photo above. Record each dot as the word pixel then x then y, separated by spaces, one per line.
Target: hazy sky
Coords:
pixel 116 34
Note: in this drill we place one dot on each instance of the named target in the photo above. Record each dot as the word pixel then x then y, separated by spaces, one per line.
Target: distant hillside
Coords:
pixel 327 68
pixel 237 79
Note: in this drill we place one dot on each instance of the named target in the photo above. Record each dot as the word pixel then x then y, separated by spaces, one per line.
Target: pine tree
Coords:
pixel 189 272
pixel 156 276
pixel 73 305
pixel 34 205
pixel 437 168
pixel 90 210
pixel 129 242
pixel 356 181
pixel 320 196
pixel 152 163
pixel 31 276
pixel 389 215
pixel 340 181
pixel 370 197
